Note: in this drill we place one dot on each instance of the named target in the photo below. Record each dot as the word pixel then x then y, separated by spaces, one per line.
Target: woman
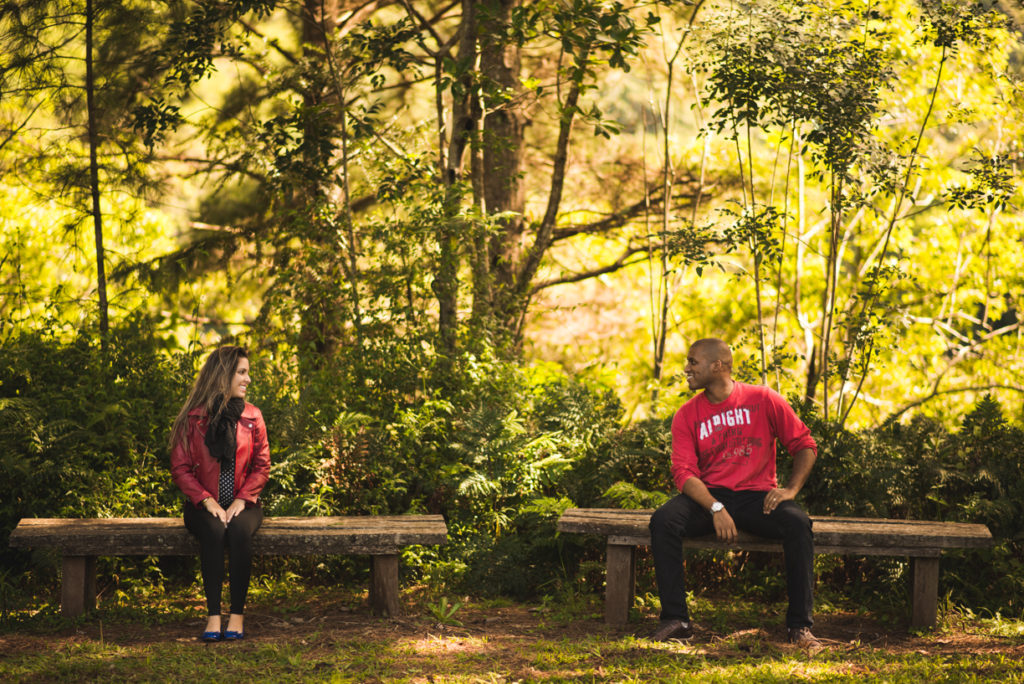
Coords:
pixel 220 460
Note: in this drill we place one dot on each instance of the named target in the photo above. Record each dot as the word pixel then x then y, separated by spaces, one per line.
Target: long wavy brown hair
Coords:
pixel 214 380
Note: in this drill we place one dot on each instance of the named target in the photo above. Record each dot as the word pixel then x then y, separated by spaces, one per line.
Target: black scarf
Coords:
pixel 220 434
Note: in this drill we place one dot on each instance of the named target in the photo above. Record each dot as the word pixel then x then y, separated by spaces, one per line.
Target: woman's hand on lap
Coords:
pixel 236 507
pixel 215 510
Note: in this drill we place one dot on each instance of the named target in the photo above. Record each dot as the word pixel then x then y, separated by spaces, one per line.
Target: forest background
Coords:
pixel 468 243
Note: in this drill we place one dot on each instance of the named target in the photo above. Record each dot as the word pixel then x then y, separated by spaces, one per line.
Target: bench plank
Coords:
pixel 923 541
pixel 883 535
pixel 277 536
pixel 748 542
pixel 81 540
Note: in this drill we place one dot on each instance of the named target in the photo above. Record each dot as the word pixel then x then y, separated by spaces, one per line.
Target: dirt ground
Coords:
pixel 509 627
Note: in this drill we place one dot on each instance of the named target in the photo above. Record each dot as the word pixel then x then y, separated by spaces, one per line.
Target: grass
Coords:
pixel 316 634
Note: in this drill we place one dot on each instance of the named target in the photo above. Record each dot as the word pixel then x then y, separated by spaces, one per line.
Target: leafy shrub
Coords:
pixel 498 448
pixel 920 470
pixel 83 433
pixel 629 469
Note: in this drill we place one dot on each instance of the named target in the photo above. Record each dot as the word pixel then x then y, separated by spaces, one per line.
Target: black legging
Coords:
pixel 213 536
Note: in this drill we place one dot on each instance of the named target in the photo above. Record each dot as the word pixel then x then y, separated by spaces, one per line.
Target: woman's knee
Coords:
pixel 207 530
pixel 239 536
pixel 240 531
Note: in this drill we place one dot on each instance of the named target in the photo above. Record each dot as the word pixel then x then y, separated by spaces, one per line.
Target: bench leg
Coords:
pixel 620 582
pixel 384 585
pixel 924 592
pixel 78 585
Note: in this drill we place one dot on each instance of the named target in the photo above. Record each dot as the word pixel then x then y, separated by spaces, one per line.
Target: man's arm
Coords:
pixel 725 528
pixel 803 461
pixel 684 449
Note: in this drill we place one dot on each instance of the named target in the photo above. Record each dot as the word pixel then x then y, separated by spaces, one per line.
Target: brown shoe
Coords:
pixel 802 637
pixel 672 629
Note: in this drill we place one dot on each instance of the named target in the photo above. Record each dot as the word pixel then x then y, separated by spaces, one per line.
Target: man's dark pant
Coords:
pixel 683 517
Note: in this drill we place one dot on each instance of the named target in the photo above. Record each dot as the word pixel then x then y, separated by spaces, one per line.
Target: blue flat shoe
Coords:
pixel 233 636
pixel 210 637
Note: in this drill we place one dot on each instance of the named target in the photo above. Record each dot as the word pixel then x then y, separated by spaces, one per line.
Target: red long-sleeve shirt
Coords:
pixel 732 444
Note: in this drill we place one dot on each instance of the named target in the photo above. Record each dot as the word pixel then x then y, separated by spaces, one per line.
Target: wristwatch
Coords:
pixel 717 506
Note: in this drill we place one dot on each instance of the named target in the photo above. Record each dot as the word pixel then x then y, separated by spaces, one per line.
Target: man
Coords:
pixel 723 463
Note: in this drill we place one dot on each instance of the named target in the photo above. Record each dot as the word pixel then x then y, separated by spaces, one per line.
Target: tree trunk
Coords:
pixel 514 306
pixel 320 313
pixel 502 142
pixel 465 124
pixel 94 174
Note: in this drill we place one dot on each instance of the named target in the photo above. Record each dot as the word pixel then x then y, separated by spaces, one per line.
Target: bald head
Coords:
pixel 713 349
pixel 709 367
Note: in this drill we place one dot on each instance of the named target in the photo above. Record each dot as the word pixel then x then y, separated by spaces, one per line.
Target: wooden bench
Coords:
pixel 81 540
pixel 920 540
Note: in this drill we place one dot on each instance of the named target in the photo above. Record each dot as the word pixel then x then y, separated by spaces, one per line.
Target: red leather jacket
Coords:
pixel 197 474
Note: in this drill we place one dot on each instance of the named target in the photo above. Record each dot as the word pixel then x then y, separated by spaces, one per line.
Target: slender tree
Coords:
pixel 94 172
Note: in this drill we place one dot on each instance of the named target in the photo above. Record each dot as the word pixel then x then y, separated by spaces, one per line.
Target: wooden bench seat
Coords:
pixel 81 540
pixel 920 540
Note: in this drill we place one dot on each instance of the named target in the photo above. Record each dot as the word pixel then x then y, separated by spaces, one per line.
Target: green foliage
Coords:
pixel 634 457
pixel 494 457
pixel 197 36
pixel 500 455
pixel 628 495
pixel 592 32
pixel 330 254
pixel 991 185
pixel 444 611
pixel 757 228
pixel 83 433
pixel 767 66
pixel 953 22
pixel 920 470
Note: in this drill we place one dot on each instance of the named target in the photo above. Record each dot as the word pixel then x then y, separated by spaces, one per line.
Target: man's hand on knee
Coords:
pixel 776 496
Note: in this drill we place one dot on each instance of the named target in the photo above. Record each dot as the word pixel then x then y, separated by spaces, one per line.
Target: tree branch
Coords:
pixel 612 221
pixel 359 11
pixel 955 361
pixel 956 390
pixel 547 224
pixel 617 265
pixel 210 164
pixel 18 129
pixel 272 42
pixel 425 25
